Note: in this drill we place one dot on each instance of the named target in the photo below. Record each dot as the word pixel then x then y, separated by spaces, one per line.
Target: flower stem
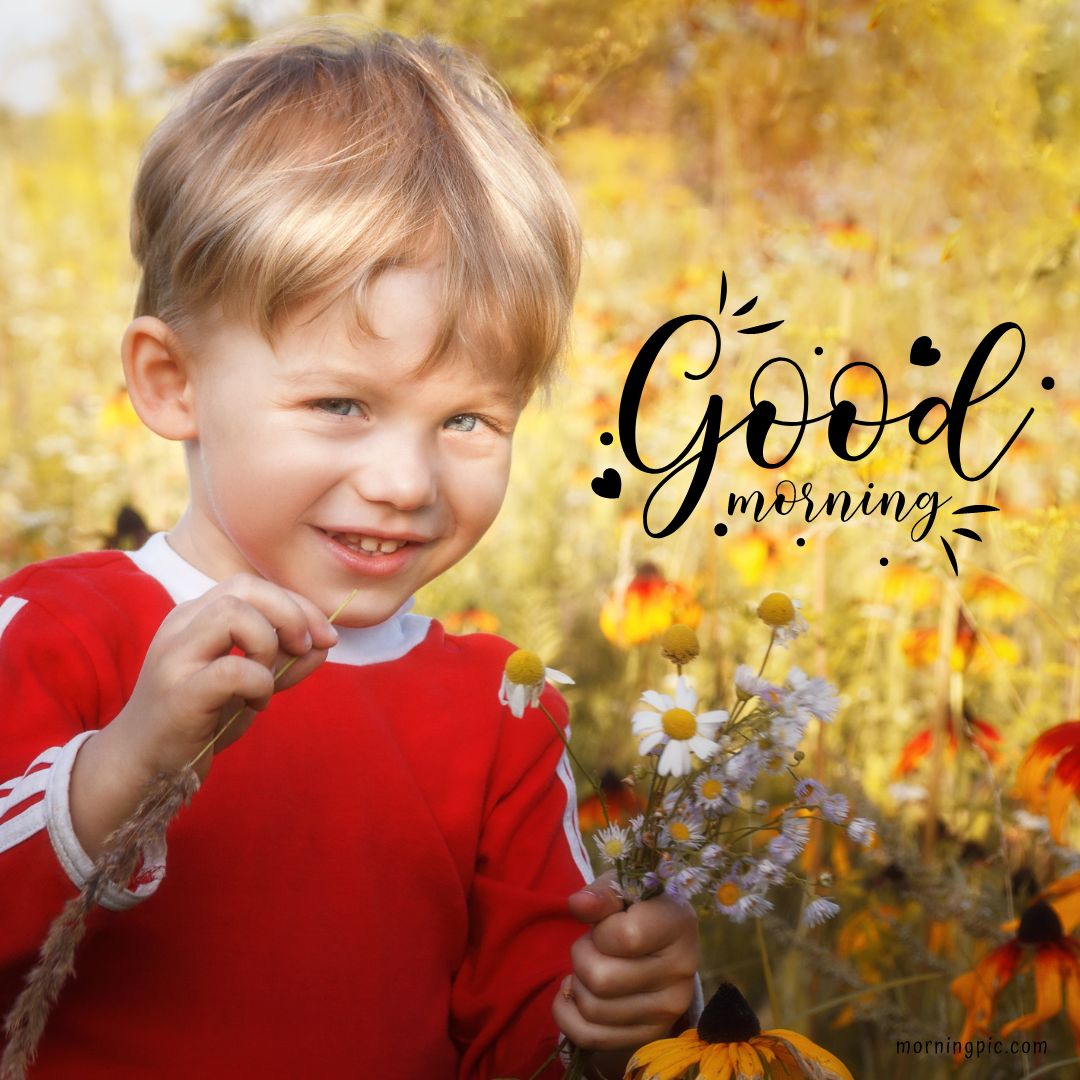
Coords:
pixel 277 675
pixel 766 967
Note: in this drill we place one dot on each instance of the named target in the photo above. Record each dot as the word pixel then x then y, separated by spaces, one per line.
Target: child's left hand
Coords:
pixel 633 971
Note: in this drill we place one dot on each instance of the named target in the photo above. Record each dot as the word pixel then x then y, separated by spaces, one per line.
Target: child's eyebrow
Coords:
pixel 346 379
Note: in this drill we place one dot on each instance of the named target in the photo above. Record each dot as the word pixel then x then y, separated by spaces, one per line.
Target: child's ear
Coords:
pixel 158 376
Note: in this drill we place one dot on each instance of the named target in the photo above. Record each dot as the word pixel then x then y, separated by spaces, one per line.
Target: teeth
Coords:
pixel 370 545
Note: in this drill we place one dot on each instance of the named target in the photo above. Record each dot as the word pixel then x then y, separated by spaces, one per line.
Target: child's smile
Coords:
pixel 327 464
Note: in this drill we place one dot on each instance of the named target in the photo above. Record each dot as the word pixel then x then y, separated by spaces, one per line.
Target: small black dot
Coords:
pixel 883 561
pixel 801 541
pixel 870 483
pixel 720 529
pixel 818 349
pixel 1048 382
pixel 607 438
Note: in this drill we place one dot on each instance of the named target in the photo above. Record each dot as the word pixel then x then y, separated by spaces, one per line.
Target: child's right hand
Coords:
pixel 189 685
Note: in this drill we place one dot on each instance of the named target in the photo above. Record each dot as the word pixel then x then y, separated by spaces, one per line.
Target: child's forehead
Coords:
pixel 392 332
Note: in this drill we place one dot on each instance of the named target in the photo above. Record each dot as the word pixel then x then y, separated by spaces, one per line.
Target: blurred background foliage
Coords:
pixel 872 172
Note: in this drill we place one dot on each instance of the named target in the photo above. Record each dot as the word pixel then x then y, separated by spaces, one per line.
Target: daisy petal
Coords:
pixel 653 739
pixel 702 747
pixel 685 694
pixel 658 701
pixel 557 677
pixel 675 760
pixel 713 716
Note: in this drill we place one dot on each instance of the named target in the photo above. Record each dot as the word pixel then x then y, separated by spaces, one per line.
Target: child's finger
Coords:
pixel 590 1036
pixel 657 1008
pixel 609 976
pixel 299 623
pixel 230 677
pixel 231 621
pixel 646 928
pixel 300 669
pixel 597 900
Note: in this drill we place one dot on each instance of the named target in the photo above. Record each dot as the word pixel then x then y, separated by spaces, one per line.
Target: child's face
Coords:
pixel 311 455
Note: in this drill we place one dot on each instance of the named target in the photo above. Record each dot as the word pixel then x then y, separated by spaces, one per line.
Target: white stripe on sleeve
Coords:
pixel 570 817
pixel 9 609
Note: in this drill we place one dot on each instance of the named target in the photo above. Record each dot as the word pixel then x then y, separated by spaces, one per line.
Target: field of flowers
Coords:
pixel 872 174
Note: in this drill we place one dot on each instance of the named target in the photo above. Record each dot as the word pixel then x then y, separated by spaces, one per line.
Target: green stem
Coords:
pixel 593 783
pixel 766 967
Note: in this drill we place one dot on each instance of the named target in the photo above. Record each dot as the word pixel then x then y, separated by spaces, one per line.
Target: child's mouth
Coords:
pixel 367 545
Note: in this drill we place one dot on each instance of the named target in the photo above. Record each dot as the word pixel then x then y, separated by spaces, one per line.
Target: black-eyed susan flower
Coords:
pixel 674 726
pixel 523 681
pixel 728 1044
pixel 1048 778
pixel 1041 939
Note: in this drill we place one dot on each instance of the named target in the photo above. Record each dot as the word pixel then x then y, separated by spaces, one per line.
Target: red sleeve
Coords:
pixel 531 858
pixel 49 705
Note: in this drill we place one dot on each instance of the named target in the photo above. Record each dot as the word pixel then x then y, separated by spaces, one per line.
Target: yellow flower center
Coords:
pixel 711 788
pixel 679 724
pixel 776 609
pixel 524 668
pixel 614 847
pixel 728 893
pixel 679 644
pixel 680 831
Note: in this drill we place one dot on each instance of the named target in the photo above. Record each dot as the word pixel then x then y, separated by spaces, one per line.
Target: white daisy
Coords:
pixel 684 829
pixel 781 613
pixel 675 727
pixel 523 681
pixel 613 843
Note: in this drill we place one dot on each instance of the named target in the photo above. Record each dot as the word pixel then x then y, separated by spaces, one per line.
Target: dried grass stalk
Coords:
pixel 144 830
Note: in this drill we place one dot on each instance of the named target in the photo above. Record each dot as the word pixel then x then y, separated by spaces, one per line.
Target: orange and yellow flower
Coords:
pixel 978 732
pixel 1056 958
pixel 647 607
pixel 1049 776
pixel 728 1042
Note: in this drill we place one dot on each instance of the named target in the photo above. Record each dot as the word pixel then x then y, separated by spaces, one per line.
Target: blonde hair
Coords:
pixel 300 168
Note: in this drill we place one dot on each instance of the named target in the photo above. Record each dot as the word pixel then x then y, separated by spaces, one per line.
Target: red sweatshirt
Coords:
pixel 371 882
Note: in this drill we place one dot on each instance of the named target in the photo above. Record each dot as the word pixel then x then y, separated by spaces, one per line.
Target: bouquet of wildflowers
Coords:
pixel 695 837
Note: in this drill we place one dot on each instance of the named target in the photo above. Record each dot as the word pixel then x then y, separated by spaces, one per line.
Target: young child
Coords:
pixel 357 265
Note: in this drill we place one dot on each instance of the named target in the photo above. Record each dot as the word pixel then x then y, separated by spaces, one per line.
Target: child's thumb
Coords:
pixel 597 900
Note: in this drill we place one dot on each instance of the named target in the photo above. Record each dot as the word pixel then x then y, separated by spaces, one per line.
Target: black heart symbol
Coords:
pixel 923 353
pixel 608 486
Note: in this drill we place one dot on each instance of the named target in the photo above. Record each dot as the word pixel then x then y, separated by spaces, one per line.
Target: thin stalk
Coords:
pixel 766 967
pixel 277 675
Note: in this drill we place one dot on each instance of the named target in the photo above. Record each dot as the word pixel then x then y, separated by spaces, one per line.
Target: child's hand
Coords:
pixel 189 685
pixel 633 971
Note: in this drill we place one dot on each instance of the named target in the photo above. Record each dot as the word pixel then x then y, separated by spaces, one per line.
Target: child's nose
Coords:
pixel 401 475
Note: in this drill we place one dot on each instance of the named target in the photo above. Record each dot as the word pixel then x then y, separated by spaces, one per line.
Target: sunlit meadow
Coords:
pixel 871 173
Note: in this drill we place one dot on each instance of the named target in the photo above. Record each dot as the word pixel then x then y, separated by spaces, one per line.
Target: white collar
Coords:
pixel 357 645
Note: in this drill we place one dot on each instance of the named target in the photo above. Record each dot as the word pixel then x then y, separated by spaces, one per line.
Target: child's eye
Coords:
pixel 338 406
pixel 463 422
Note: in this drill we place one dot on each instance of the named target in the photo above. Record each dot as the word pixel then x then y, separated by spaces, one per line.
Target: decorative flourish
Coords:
pixel 971 534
